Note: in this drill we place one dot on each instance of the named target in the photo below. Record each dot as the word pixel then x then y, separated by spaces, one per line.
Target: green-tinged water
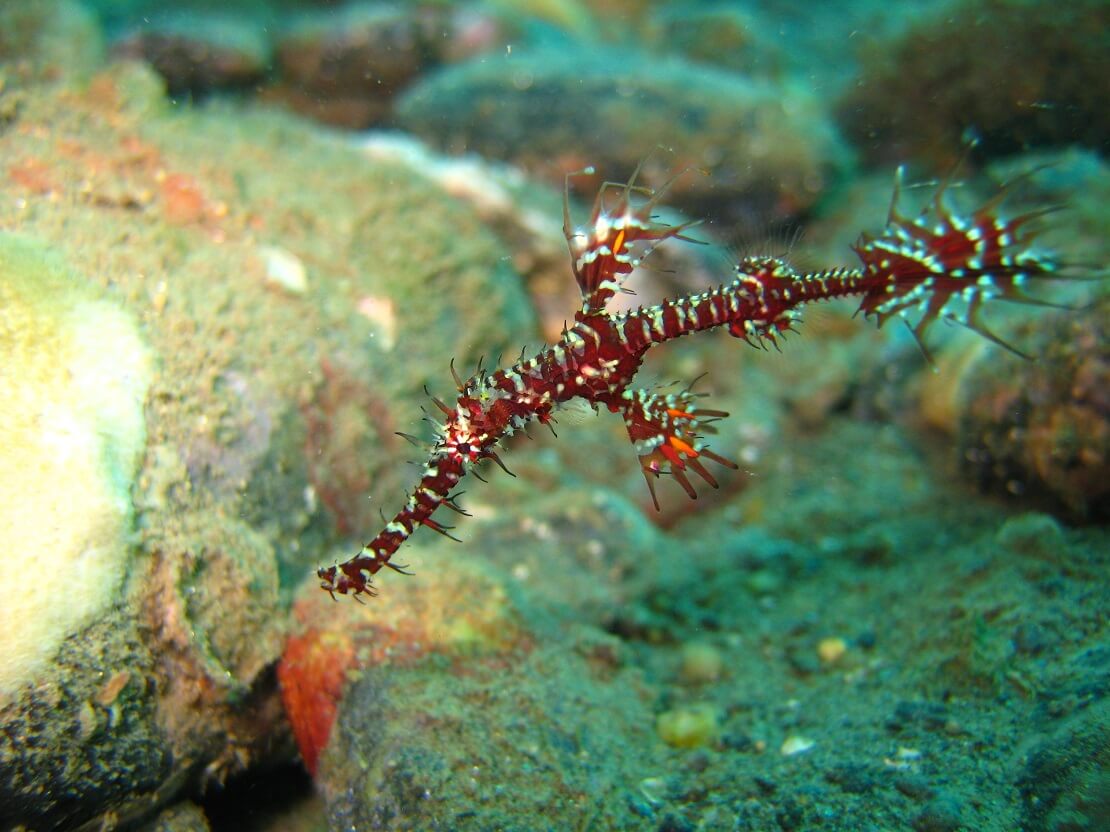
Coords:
pixel 242 246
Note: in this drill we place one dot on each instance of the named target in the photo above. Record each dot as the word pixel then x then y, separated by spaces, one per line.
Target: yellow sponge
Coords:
pixel 73 375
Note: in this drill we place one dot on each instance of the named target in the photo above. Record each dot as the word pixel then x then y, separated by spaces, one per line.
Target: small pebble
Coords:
pixel 690 726
pixel 830 650
pixel 700 663
pixel 381 312
pixel 654 791
pixel 795 744
pixel 284 269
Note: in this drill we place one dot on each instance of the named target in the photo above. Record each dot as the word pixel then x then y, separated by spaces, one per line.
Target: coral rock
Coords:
pixel 555 111
pixel 1018 73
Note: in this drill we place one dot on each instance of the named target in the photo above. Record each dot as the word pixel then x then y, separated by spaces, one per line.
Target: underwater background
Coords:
pixel 241 243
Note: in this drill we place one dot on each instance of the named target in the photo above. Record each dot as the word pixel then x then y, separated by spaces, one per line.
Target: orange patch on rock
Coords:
pixel 311 674
pixel 183 202
pixel 32 174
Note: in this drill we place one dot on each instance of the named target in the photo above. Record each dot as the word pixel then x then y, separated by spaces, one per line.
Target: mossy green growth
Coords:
pixel 73 376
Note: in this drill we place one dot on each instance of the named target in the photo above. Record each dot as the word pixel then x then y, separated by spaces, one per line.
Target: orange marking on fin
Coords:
pixel 681 446
pixel 618 243
pixel 679 414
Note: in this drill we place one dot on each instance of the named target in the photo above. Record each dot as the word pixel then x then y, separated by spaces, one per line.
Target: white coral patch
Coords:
pixel 73 378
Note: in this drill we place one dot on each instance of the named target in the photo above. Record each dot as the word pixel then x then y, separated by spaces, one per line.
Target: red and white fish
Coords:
pixel 941 264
